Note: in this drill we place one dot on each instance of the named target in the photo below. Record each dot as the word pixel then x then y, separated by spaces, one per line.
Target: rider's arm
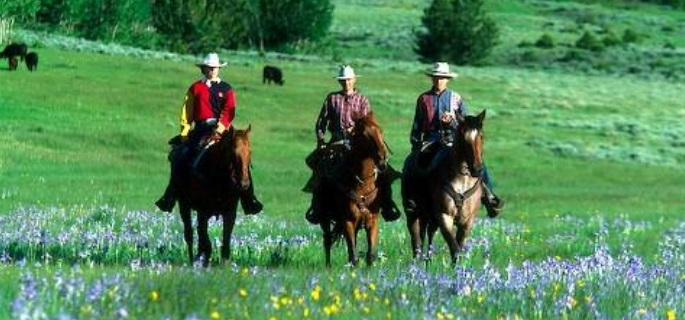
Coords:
pixel 187 112
pixel 227 112
pixel 415 134
pixel 322 123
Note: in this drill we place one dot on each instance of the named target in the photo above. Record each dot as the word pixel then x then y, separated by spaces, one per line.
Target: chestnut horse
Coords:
pixel 213 190
pixel 351 202
pixel 450 196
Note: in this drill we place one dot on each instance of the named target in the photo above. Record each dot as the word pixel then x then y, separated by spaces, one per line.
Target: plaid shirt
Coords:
pixel 338 113
pixel 429 107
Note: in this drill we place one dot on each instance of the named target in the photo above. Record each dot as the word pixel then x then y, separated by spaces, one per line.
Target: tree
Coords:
pixel 291 21
pixel 12 11
pixel 199 25
pixel 456 31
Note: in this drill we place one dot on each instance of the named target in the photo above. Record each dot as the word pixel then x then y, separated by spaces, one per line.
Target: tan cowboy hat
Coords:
pixel 441 70
pixel 211 60
pixel 345 72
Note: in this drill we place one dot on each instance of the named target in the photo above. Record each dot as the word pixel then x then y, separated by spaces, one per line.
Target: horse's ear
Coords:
pixel 249 128
pixel 460 118
pixel 481 116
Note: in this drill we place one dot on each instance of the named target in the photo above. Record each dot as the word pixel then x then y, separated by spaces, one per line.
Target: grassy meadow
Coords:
pixel 589 162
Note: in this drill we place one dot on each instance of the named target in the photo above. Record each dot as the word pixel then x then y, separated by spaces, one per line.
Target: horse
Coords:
pixel 450 196
pixel 351 202
pixel 212 189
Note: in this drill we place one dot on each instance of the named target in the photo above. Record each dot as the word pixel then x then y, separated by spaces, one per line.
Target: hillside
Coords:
pixel 90 127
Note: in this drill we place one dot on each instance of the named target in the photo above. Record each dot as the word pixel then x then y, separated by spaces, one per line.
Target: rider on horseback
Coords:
pixel 338 114
pixel 435 126
pixel 209 106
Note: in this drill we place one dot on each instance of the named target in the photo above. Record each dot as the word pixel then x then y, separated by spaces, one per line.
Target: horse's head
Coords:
pixel 240 156
pixel 367 139
pixel 470 142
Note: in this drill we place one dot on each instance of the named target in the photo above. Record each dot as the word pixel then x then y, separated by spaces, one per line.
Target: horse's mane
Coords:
pixel 366 122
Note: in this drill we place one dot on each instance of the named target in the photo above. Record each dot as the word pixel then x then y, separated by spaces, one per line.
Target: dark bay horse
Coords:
pixel 450 196
pixel 214 191
pixel 351 203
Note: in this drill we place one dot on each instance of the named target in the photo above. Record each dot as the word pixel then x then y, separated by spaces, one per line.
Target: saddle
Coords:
pixel 422 162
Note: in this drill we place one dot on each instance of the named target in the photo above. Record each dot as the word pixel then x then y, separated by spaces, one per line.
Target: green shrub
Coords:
pixel 630 36
pixel 545 42
pixel 589 42
pixel 610 40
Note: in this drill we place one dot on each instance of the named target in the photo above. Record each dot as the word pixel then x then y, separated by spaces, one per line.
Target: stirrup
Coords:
pixel 390 212
pixel 494 206
pixel 312 217
pixel 165 204
pixel 252 206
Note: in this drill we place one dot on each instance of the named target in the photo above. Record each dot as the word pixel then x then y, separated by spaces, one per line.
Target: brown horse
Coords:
pixel 213 190
pixel 351 202
pixel 450 196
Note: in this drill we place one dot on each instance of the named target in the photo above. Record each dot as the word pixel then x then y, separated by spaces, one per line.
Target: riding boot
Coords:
pixel 312 183
pixel 493 204
pixel 389 209
pixel 249 201
pixel 167 202
pixel 313 214
pixel 408 200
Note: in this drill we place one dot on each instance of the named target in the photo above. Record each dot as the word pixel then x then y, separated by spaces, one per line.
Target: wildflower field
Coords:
pixel 591 165
pixel 113 264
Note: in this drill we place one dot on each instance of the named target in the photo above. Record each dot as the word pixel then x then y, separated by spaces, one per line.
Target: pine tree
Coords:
pixel 456 31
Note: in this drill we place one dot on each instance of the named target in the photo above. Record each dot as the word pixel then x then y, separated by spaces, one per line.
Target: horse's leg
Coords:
pixel 327 240
pixel 204 244
pixel 371 239
pixel 448 232
pixel 228 223
pixel 350 239
pixel 186 217
pixel 463 230
pixel 430 230
pixel 414 227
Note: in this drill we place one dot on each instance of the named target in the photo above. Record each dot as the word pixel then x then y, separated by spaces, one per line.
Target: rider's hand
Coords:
pixel 215 137
pixel 447 117
pixel 320 144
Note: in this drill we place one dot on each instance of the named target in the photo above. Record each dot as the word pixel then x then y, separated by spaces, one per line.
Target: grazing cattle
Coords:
pixel 274 74
pixel 32 61
pixel 13 50
pixel 12 61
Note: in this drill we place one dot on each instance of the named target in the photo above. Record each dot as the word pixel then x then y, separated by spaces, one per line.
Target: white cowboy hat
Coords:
pixel 345 72
pixel 442 70
pixel 211 60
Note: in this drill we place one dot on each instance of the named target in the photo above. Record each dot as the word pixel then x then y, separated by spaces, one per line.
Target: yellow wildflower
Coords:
pixel 316 293
pixel 154 295
pixel 242 292
pixel 670 314
pixel 215 315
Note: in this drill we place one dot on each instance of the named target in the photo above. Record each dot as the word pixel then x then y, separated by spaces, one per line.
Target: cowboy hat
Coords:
pixel 441 70
pixel 345 72
pixel 211 60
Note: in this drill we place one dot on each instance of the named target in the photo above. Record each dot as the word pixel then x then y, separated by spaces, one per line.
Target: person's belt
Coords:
pixel 209 122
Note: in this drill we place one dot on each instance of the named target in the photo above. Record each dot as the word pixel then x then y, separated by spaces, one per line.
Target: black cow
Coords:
pixel 32 61
pixel 13 50
pixel 274 74
pixel 12 62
